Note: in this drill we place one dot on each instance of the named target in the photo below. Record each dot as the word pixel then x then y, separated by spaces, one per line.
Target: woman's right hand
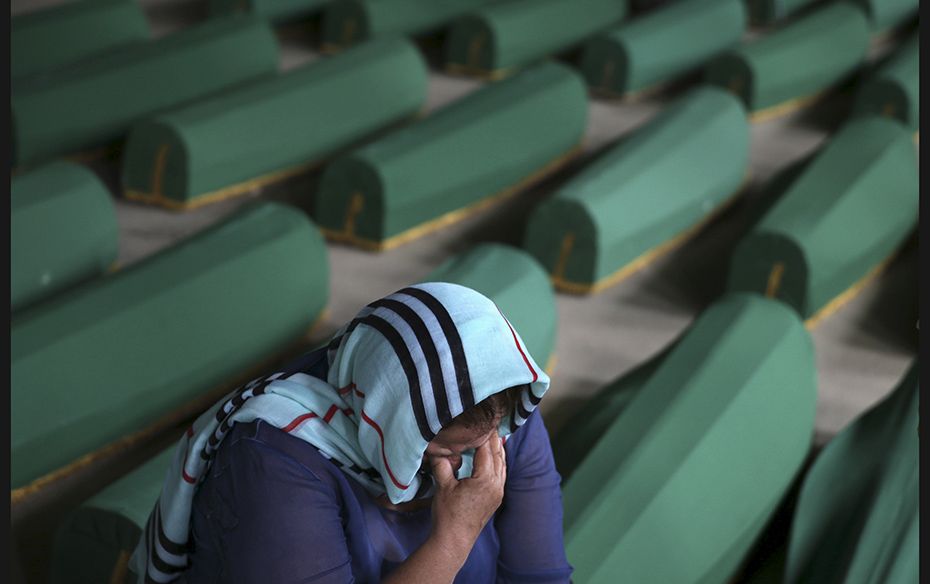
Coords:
pixel 461 508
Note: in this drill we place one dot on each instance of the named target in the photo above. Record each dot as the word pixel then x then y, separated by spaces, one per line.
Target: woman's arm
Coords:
pixel 460 511
pixel 529 523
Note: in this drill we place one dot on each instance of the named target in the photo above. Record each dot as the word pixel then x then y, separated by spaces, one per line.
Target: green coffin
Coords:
pixel 62 230
pixel 645 195
pixel 857 517
pixel 680 485
pixel 582 431
pixel 53 37
pixel 850 208
pixel 517 284
pixel 122 351
pixel 95 102
pixel 765 12
pixel 272 128
pixel 662 45
pixel 95 541
pixel 793 65
pixel 495 40
pixel 273 10
pixel 894 89
pixel 467 155
pixel 346 22
pixel 886 14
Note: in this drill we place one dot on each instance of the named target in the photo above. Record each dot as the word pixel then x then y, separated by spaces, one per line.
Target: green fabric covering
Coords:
pixel 53 37
pixel 800 60
pixel 270 126
pixel 852 206
pixel 894 89
pixel 765 12
pixel 886 14
pixel 643 192
pixel 512 34
pixel 89 542
pixel 466 152
pixel 516 283
pixel 117 353
pixel 62 230
pixel 273 10
pixel 857 518
pixel 683 481
pixel 346 22
pixel 663 44
pixel 95 102
pixel 597 415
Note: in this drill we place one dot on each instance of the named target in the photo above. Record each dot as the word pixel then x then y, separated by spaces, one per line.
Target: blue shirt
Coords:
pixel 274 510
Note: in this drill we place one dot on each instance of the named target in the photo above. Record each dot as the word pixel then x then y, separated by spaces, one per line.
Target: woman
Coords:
pixel 407 450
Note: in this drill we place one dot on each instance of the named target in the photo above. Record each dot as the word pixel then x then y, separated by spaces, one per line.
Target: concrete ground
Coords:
pixel 861 351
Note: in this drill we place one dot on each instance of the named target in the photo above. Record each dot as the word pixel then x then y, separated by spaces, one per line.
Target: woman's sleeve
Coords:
pixel 273 521
pixel 529 523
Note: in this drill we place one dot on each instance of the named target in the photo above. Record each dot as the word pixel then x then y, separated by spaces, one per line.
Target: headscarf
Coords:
pixel 399 372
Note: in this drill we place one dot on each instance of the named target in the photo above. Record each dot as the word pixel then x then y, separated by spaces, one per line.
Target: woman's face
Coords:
pixel 455 439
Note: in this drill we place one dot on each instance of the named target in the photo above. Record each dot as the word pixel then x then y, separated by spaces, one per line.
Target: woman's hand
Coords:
pixel 461 508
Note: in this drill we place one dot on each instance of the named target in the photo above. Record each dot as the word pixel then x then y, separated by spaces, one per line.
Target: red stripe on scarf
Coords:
pixel 377 428
pixel 298 421
pixel 519 348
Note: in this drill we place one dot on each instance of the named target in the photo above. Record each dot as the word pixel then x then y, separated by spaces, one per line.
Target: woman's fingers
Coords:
pixel 503 474
pixel 494 444
pixel 442 470
pixel 484 461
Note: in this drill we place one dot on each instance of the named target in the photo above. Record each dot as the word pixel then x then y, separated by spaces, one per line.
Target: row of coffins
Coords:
pixel 94 102
pixel 602 225
pixel 124 90
pixel 96 539
pixel 185 158
pixel 833 228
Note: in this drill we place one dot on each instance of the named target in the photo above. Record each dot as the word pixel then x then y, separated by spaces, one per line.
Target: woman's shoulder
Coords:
pixel 532 434
pixel 267 453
